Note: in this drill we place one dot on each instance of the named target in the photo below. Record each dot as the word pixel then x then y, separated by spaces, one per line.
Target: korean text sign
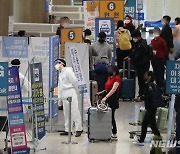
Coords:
pixel 112 9
pixel 73 35
pixel 3 78
pixel 173 77
pixel 15 113
pixel 15 47
pixel 130 8
pixel 37 99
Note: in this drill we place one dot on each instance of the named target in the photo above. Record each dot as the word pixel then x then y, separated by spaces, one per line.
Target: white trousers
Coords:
pixel 75 113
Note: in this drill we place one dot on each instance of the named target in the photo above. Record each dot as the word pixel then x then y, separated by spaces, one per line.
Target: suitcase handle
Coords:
pixel 124 68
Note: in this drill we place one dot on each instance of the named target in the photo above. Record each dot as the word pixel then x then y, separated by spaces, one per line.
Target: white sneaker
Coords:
pixel 114 136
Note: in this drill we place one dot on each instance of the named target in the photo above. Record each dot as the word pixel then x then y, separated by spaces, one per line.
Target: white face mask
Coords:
pixel 155 35
pixel 57 67
pixel 135 39
pixel 127 21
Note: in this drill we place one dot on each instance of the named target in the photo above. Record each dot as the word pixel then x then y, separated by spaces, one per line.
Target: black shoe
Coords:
pixel 78 133
pixel 65 134
pixel 60 107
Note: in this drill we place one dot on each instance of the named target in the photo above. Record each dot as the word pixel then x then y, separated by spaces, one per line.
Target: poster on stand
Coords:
pixel 15 113
pixel 53 74
pixel 4 78
pixel 130 8
pixel 37 100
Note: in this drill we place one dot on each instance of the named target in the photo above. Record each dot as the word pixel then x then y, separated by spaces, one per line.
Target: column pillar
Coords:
pixel 30 11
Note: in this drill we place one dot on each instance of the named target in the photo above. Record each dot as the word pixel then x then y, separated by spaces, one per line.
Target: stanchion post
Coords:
pixel 82 105
pixel 50 110
pixel 69 99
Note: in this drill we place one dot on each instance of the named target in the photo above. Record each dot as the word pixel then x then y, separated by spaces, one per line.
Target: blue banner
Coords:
pixel 173 77
pixel 15 47
pixel 4 78
pixel 15 113
pixel 38 99
pixel 54 74
pixel 130 8
pixel 106 25
pixel 140 16
pixel 157 23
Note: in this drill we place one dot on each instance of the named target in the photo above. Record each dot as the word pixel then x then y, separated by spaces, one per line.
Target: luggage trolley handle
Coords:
pixel 124 68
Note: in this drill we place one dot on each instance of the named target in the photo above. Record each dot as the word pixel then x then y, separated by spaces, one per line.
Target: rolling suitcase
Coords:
pixel 99 125
pixel 162 114
pixel 93 91
pixel 127 90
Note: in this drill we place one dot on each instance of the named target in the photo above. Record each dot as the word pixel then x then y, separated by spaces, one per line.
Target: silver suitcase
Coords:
pixel 99 124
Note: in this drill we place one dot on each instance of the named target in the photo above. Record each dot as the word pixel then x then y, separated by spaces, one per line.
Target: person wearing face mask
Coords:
pixel 166 34
pixel 64 21
pixel 160 52
pixel 176 40
pixel 123 43
pixel 128 23
pixel 103 59
pixel 112 88
pixel 150 106
pixel 139 59
pixel 68 87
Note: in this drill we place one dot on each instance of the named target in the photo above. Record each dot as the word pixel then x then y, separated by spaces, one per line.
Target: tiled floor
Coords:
pixel 124 145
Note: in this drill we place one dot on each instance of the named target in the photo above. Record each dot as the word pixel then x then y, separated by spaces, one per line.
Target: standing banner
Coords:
pixel 74 35
pixel 4 78
pixel 53 74
pixel 15 113
pixel 91 12
pixel 79 75
pixel 37 100
pixel 106 25
pixel 112 9
pixel 130 8
pixel 172 87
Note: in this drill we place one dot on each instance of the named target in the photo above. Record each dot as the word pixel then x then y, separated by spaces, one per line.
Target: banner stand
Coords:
pixel 34 113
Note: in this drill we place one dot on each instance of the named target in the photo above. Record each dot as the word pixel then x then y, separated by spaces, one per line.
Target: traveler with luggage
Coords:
pixel 149 99
pixel 166 34
pixel 123 44
pixel 139 59
pixel 112 87
pixel 159 51
pixel 68 87
pixel 103 59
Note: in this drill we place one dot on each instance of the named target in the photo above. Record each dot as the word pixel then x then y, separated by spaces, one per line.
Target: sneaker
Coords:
pixel 65 134
pixel 78 133
pixel 114 136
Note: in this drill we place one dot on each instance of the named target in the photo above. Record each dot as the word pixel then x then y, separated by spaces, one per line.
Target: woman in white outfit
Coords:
pixel 68 87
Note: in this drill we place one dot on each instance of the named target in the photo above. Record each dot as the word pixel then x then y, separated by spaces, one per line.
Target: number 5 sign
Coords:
pixel 112 9
pixel 70 35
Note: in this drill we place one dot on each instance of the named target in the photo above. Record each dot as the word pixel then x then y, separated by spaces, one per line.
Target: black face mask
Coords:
pixel 101 41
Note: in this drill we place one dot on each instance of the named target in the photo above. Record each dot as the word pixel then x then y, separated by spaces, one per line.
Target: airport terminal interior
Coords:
pixel 89 76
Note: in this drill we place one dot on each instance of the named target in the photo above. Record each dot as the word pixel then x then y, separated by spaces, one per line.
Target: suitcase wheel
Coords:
pixel 91 141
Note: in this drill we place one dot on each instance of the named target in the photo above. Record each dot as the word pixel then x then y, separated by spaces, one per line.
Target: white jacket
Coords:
pixel 67 80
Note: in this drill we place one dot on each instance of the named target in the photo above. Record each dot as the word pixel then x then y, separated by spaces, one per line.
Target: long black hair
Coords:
pixel 151 74
pixel 112 69
pixel 120 23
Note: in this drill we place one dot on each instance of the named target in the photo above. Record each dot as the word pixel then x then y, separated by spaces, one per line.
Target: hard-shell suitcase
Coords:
pixel 93 91
pixel 99 124
pixel 127 90
pixel 162 114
